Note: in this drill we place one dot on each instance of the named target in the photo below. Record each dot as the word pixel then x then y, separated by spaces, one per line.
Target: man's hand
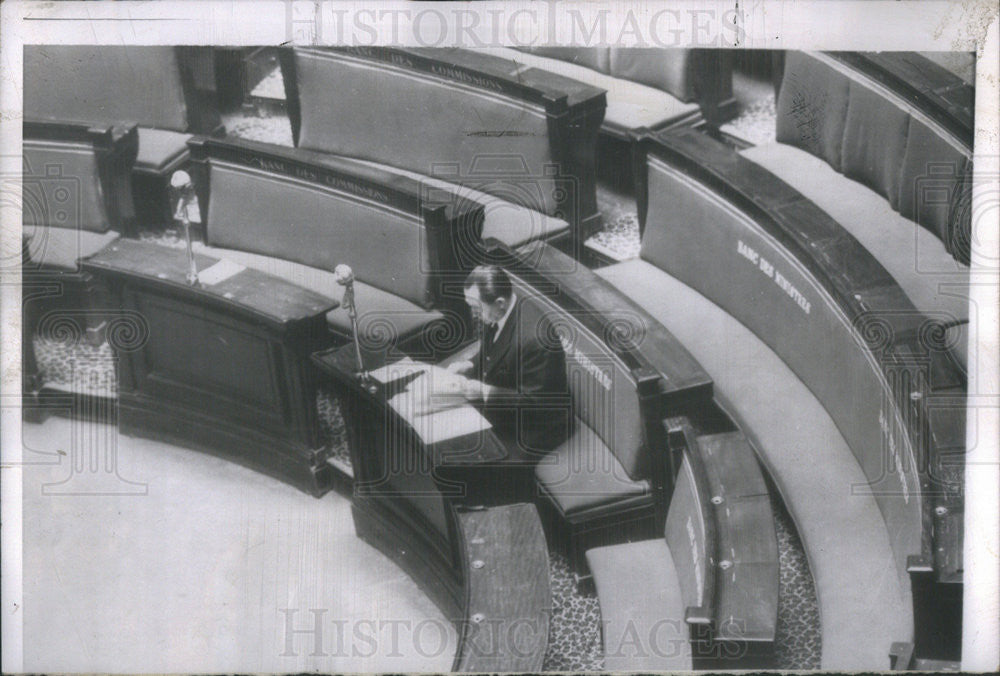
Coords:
pixel 460 367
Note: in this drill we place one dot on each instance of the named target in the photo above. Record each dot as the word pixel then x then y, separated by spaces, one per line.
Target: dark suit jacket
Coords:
pixel 532 413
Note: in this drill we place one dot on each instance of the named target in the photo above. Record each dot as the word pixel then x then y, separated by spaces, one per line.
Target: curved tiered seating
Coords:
pixel 795 278
pixel 298 215
pixel 895 174
pixel 152 86
pixel 521 135
pixel 863 608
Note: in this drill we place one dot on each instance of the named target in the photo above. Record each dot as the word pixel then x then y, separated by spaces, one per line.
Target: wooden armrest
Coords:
pixel 507 585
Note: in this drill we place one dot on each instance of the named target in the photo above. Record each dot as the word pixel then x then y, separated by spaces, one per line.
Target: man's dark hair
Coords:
pixel 491 281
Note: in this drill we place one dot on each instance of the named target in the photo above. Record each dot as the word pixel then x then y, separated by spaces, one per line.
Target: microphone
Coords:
pixel 182 189
pixel 344 276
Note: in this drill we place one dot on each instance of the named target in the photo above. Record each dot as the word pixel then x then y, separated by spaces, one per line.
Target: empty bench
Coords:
pixel 796 278
pixel 708 588
pixel 155 87
pixel 297 215
pixel 647 89
pixel 884 167
pixel 522 136
pixel 768 292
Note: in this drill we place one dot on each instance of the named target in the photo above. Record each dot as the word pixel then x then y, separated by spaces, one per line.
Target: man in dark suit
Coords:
pixel 518 376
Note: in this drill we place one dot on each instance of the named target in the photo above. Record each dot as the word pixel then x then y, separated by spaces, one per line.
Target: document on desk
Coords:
pixel 220 272
pixel 442 424
pixel 399 369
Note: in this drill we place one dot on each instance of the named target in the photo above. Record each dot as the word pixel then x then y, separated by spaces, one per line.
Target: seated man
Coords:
pixel 518 376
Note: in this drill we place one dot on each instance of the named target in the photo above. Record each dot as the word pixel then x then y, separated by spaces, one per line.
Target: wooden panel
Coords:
pixel 509 599
pixel 222 367
pixel 747 549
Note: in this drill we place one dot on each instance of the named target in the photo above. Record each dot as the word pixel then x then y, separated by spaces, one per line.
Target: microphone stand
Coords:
pixel 345 277
pixel 180 184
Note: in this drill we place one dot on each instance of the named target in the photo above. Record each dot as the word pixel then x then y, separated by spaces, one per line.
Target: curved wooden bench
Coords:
pixel 862 608
pixel 297 215
pixel 520 134
pixel 710 585
pixel 796 278
pixel 152 86
pixel 887 161
pixel 506 563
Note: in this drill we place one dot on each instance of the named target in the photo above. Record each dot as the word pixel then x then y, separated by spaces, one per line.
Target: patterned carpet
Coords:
pixel 575 633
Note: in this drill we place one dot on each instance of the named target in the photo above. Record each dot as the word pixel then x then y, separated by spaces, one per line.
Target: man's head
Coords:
pixel 488 292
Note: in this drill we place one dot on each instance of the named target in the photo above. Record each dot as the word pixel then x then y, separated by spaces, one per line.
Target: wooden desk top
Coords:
pixel 468 450
pixel 271 297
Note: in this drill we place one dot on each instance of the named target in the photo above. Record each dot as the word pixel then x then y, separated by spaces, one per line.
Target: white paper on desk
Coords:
pixel 438 426
pixel 219 272
pixel 398 370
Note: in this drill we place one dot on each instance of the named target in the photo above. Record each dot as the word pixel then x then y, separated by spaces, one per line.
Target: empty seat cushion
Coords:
pixel 630 105
pixel 61 248
pixel 931 278
pixel 863 604
pixel 382 316
pixel 160 150
pixel 583 473
pixel 513 224
pixel 642 610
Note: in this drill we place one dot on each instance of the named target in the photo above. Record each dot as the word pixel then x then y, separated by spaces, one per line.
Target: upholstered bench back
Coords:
pixel 76 176
pixel 872 135
pixel 456 115
pixel 783 268
pixel 323 211
pixel 603 389
pixel 140 84
pixel 669 70
pixel 624 369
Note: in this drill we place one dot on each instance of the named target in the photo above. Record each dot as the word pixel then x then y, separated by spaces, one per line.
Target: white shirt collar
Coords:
pixel 503 320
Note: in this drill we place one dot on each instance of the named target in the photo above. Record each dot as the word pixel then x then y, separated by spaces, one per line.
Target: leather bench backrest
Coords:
pixel 695 235
pixel 61 187
pixel 105 83
pixel 873 136
pixel 604 393
pixel 321 226
pixel 669 70
pixel 436 125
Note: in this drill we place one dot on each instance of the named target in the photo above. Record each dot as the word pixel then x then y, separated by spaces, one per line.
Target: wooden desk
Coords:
pixel 425 505
pixel 221 367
